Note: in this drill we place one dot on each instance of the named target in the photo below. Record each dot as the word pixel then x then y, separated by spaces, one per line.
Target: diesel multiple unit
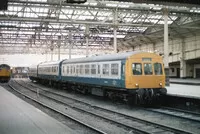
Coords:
pixel 135 76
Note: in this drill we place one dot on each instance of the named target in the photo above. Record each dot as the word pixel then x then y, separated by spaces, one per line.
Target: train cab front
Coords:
pixel 145 77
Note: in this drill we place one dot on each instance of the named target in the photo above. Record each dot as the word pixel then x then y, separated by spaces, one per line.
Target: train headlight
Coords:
pixel 160 84
pixel 136 85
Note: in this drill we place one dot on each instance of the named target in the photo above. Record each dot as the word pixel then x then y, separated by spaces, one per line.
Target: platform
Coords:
pixel 19 117
pixel 188 91
pixel 188 81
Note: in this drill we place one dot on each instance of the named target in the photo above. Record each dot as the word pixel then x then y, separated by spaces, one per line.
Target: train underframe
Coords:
pixel 142 96
pixel 134 96
pixel 4 79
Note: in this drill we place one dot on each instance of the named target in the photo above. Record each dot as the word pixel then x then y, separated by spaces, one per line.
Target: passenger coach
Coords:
pixel 49 72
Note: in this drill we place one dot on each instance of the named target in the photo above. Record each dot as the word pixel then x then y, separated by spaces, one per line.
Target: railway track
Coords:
pixel 126 121
pixel 188 115
pixel 91 128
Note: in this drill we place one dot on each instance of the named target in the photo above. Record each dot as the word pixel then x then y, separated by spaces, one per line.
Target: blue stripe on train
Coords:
pixel 49 77
pixel 96 81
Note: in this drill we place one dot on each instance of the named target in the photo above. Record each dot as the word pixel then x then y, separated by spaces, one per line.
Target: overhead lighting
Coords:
pixel 111 5
pixel 111 36
pixel 124 6
pixel 91 3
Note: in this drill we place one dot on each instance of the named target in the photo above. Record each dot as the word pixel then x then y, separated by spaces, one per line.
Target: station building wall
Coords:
pixel 191 47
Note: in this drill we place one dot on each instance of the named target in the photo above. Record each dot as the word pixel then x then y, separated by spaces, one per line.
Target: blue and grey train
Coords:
pixel 136 76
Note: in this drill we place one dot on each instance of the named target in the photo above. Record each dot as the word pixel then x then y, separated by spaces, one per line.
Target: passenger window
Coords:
pixel 77 69
pixel 81 69
pixel 99 69
pixel 93 69
pixel 158 69
pixel 114 69
pixel 105 69
pixel 123 68
pixel 67 70
pixel 148 69
pixel 137 68
pixel 71 68
pixel 74 69
pixel 87 67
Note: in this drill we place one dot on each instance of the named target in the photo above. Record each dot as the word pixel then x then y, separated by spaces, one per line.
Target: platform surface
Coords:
pixel 189 91
pixel 188 81
pixel 19 117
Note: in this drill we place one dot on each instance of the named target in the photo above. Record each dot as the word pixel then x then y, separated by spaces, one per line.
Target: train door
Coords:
pixel 178 72
pixel 198 73
pixel 98 70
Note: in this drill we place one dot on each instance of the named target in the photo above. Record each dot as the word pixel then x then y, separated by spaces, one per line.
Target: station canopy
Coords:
pixel 37 26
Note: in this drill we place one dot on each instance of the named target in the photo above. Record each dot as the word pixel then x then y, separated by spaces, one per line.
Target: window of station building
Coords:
pixel 105 69
pixel 87 69
pixel 172 69
pixel 137 68
pixel 93 69
pixel 148 69
pixel 158 69
pixel 114 69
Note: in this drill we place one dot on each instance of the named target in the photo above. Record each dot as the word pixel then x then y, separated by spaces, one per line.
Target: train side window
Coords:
pixel 137 68
pixel 98 69
pixel 158 69
pixel 71 69
pixel 114 69
pixel 67 69
pixel 93 69
pixel 105 69
pixel 87 69
pixel 81 69
pixel 123 68
pixel 77 69
pixel 148 69
pixel 74 69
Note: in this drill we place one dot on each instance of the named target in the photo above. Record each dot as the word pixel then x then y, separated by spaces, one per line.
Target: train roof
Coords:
pixel 107 57
pixel 33 66
pixel 4 65
pixel 50 63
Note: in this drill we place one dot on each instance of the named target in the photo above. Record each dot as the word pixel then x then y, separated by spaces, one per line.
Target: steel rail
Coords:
pixel 60 112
